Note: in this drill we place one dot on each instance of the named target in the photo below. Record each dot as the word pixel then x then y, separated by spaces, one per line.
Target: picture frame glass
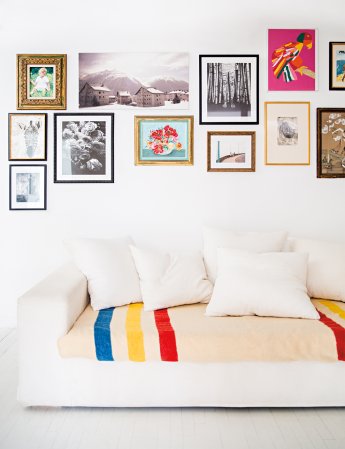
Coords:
pixel 231 151
pixel 84 148
pixel 229 89
pixel 41 81
pixel 27 187
pixel 337 65
pixel 287 133
pixel 27 137
pixel 331 143
pixel 292 59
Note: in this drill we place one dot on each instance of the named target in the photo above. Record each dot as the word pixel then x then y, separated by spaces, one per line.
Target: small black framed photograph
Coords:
pixel 27 136
pixel 83 147
pixel 229 89
pixel 337 66
pixel 28 187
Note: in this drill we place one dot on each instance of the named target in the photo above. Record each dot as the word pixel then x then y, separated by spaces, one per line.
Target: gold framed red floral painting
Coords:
pixel 164 140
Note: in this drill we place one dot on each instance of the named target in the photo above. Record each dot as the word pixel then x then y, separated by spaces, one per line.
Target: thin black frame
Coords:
pixel 44 184
pixel 319 112
pixel 10 114
pixel 83 114
pixel 330 62
pixel 201 122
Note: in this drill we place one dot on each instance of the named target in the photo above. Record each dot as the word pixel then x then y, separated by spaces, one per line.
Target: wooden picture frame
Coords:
pixel 231 151
pixel 330 142
pixel 163 140
pixel 41 81
pixel 228 89
pixel 337 66
pixel 27 187
pixel 287 133
pixel 83 147
pixel 27 136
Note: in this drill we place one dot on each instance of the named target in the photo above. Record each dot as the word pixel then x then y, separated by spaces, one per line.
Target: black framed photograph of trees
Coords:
pixel 229 89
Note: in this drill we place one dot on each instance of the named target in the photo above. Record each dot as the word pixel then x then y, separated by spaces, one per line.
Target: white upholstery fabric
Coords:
pixel 258 242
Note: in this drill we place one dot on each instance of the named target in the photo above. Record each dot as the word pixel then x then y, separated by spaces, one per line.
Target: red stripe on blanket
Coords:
pixel 339 334
pixel 167 340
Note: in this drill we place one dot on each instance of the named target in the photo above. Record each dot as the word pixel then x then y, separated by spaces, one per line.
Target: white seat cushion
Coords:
pixel 268 284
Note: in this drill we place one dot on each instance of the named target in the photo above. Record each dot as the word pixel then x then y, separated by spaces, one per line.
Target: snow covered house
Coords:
pixel 90 95
pixel 149 97
pixel 181 94
pixel 124 97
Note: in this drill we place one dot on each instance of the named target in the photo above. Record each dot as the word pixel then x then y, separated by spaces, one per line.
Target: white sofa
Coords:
pixel 50 309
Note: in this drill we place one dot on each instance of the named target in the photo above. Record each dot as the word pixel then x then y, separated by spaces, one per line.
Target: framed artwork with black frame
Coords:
pixel 27 136
pixel 83 147
pixel 228 89
pixel 331 142
pixel 337 66
pixel 28 187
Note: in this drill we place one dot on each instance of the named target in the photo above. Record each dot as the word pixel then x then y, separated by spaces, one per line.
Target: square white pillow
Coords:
pixel 171 279
pixel 110 270
pixel 258 242
pixel 267 284
pixel 326 268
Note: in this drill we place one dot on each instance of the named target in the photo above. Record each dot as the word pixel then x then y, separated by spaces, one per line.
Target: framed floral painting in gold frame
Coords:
pixel 41 81
pixel 162 140
pixel 287 133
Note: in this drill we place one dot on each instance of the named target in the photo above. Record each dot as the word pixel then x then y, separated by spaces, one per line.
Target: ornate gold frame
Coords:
pixel 231 133
pixel 59 102
pixel 266 140
pixel 140 118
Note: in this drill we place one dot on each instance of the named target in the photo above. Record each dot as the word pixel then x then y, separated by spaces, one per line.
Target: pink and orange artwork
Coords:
pixel 291 59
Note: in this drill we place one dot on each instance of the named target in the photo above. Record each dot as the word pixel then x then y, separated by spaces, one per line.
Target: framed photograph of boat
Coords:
pixel 331 143
pixel 287 133
pixel 232 151
pixel 229 89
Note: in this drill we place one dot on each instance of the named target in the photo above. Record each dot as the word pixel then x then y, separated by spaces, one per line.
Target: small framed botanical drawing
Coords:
pixel 232 151
pixel 27 137
pixel 331 142
pixel 41 81
pixel 337 65
pixel 163 140
pixel 287 133
pixel 83 147
pixel 28 187
pixel 229 89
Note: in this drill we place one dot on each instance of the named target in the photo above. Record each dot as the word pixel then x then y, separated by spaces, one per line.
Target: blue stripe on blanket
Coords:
pixel 102 335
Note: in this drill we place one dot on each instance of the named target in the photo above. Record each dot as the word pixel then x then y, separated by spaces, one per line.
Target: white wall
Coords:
pixel 161 204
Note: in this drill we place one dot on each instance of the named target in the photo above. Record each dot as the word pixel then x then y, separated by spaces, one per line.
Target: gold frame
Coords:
pixel 231 133
pixel 266 133
pixel 59 102
pixel 139 118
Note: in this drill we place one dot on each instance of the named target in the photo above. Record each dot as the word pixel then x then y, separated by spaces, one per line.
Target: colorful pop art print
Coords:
pixel 337 65
pixel 331 143
pixel 287 133
pixel 28 187
pixel 231 151
pixel 27 137
pixel 228 89
pixel 292 59
pixel 127 81
pixel 164 140
pixel 83 147
pixel 41 81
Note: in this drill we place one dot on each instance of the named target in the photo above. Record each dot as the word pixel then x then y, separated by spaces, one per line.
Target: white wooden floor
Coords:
pixel 77 428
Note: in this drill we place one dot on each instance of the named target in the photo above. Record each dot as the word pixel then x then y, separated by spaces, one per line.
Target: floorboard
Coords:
pixel 186 428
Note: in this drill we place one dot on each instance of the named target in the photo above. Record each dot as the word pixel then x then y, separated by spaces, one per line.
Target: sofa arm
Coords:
pixel 45 313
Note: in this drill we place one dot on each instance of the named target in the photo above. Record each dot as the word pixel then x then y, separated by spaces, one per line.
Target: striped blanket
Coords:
pixel 185 334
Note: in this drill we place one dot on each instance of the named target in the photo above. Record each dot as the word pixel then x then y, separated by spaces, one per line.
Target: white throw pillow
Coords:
pixel 268 284
pixel 326 268
pixel 258 242
pixel 110 270
pixel 171 279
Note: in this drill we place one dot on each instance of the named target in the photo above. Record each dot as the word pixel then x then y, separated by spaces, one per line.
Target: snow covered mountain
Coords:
pixel 166 84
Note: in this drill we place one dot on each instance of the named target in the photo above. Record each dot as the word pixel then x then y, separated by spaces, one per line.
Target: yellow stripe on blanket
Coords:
pixel 333 307
pixel 135 336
